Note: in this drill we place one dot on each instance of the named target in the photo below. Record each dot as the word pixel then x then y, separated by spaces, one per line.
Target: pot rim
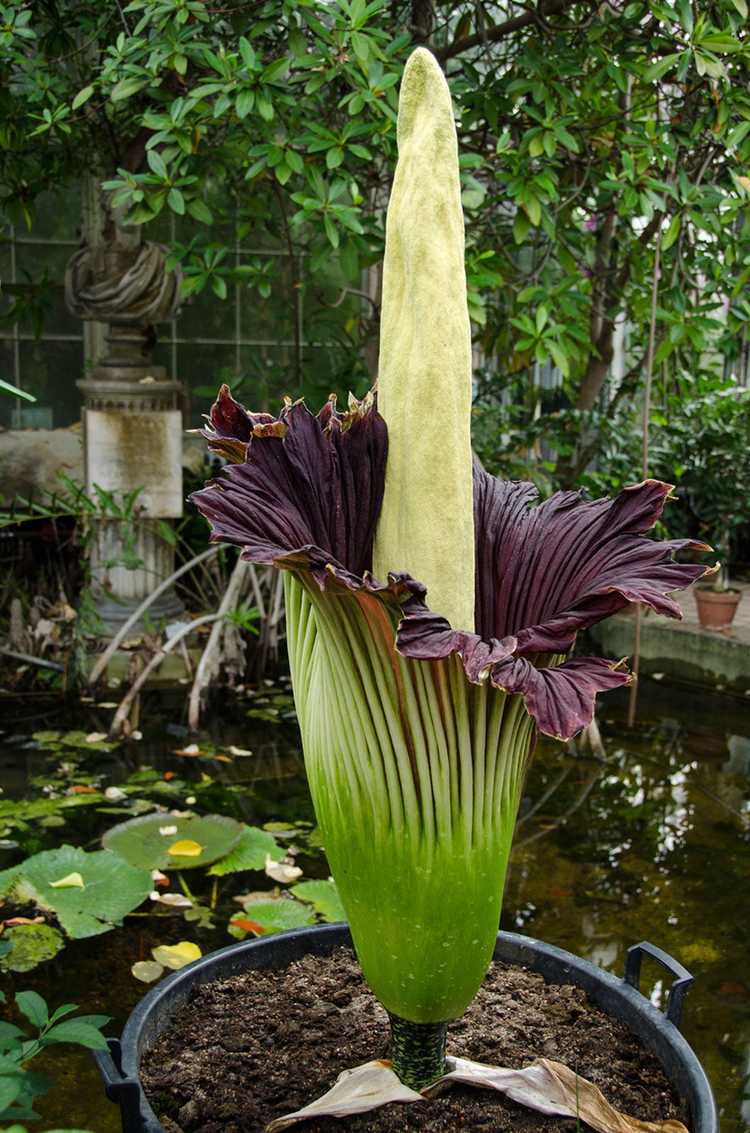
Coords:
pixel 626 1004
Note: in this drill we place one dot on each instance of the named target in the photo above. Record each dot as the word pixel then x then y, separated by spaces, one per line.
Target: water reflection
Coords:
pixel 646 837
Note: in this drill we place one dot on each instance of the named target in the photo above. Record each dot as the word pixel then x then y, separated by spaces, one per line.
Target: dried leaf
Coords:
pixel 185 848
pixel 70 881
pixel 176 956
pixel 354 1091
pixel 552 1088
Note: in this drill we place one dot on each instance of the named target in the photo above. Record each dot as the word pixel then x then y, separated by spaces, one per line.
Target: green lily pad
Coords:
pixel 30 944
pixel 324 897
pixel 111 888
pixel 270 914
pixel 249 853
pixel 141 843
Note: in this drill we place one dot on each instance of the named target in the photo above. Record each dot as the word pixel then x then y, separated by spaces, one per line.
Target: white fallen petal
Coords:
pixel 354 1091
pixel 176 900
pixel 282 871
pixel 95 737
pixel 115 794
pixel 167 831
pixel 157 875
pixel 552 1088
pixel 238 751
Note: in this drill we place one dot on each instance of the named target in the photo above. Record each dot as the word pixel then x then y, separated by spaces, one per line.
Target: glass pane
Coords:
pixel 269 320
pixel 202 369
pixel 8 374
pixel 42 268
pixel 207 316
pixel 58 216
pixel 267 376
pixel 50 370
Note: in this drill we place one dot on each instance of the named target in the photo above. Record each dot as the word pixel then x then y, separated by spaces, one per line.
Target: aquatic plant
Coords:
pixel 418 717
pixel 19 1084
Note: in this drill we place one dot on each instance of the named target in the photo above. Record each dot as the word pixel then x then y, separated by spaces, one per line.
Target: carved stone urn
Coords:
pixel 132 421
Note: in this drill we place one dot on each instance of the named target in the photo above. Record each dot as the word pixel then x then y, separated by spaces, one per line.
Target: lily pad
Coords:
pixel 254 846
pixel 272 914
pixel 324 897
pixel 141 842
pixel 30 944
pixel 111 888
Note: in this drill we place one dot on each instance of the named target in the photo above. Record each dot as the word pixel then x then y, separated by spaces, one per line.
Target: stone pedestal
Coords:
pixel 132 439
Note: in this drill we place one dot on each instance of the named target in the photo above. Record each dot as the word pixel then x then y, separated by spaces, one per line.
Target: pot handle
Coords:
pixel 123 1091
pixel 682 977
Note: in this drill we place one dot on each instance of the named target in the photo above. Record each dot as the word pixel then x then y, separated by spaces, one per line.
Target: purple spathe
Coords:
pixel 304 493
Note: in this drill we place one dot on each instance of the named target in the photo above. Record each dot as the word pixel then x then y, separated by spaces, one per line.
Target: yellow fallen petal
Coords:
pixel 147 971
pixel 185 849
pixel 72 881
pixel 176 956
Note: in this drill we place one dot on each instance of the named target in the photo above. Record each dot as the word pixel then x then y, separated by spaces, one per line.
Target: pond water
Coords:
pixel 652 841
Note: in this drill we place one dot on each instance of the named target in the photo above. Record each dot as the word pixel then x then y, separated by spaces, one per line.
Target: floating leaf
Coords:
pixel 147 970
pixel 30 944
pixel 176 956
pixel 323 896
pixel 185 848
pixel 140 842
pixel 251 852
pixel 272 914
pixel 111 888
pixel 72 881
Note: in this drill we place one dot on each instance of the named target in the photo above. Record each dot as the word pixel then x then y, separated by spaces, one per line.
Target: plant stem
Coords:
pixel 418 1051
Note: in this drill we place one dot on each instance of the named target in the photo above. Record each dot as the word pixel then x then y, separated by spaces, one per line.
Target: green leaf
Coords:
pixel 156 163
pixel 247 53
pixel 245 102
pixel 78 1032
pixel 126 88
pixel 660 68
pixel 15 391
pixel 30 1004
pixel 82 96
pixel 323 896
pixel 10 1088
pixel 741 7
pixel 672 232
pixel 200 211
pixel 141 843
pixel 249 853
pixel 176 201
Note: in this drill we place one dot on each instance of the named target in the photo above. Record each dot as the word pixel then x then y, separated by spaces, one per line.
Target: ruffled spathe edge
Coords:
pixel 304 494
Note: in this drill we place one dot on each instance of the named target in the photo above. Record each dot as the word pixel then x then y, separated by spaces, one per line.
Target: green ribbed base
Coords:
pixel 418 1051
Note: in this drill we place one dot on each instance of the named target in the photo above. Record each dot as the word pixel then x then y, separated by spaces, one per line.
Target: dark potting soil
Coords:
pixel 253 1047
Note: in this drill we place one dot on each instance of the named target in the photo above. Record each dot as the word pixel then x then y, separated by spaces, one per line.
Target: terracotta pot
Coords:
pixel 716 608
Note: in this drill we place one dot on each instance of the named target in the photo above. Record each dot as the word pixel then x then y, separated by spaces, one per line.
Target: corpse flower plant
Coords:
pixel 431 608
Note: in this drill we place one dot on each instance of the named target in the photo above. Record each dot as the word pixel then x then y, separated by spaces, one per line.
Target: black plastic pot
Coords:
pixel 618 998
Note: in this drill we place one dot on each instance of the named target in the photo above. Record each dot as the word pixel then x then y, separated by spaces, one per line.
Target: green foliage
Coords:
pixel 323 896
pixel 581 140
pixel 19 1085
